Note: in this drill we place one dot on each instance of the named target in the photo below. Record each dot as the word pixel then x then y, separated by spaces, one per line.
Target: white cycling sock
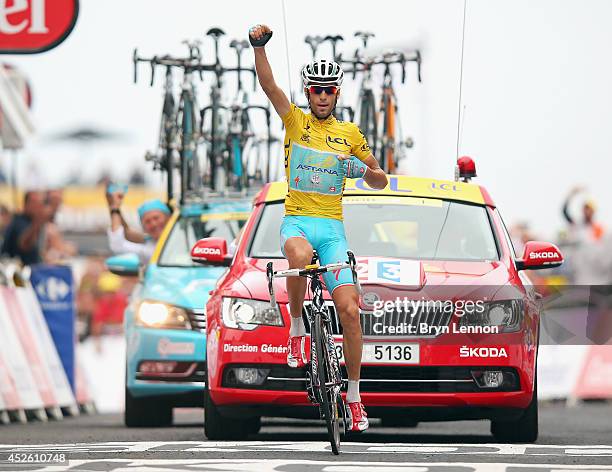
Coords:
pixel 297 327
pixel 352 394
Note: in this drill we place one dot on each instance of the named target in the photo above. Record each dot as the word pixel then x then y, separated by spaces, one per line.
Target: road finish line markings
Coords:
pixel 310 447
pixel 278 465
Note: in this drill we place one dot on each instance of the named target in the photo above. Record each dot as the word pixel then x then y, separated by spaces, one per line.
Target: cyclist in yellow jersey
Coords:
pixel 320 153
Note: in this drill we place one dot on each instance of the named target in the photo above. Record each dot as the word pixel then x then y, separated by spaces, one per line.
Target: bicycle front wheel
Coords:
pixel 329 392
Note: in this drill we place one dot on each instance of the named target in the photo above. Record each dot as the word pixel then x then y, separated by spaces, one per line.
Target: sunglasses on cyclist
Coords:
pixel 318 90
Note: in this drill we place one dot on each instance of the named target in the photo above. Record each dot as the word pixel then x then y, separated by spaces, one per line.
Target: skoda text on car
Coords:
pixel 419 240
pixel 165 322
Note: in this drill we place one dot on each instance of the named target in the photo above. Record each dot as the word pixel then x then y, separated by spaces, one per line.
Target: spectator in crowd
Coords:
pixel 520 233
pixel 56 248
pixel 87 294
pixel 26 231
pixel 107 317
pixel 587 230
pixel 153 214
pixel 5 220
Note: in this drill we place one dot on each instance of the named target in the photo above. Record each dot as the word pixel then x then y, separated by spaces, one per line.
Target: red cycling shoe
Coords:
pixel 296 357
pixel 357 417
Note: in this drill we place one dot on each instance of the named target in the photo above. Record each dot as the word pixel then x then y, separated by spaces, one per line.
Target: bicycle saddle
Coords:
pixel 316 40
pixel 215 32
pixel 364 36
pixel 239 45
pixel 338 37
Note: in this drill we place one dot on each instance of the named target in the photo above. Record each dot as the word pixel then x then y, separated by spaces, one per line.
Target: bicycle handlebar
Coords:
pixel 312 270
pixel 387 59
pixel 191 64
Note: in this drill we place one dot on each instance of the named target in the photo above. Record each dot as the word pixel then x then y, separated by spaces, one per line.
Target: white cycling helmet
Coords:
pixel 322 72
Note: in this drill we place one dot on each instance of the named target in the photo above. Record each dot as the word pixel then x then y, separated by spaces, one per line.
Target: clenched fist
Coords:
pixel 259 35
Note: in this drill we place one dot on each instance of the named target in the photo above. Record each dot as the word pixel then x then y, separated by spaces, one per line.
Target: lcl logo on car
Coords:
pixel 33 26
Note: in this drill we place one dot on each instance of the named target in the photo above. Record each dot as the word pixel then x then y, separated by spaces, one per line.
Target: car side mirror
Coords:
pixel 211 251
pixel 539 255
pixel 124 265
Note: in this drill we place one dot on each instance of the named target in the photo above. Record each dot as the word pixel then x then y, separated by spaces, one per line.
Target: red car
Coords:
pixel 450 323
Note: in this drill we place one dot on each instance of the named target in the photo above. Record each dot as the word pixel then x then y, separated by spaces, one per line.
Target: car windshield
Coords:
pixel 410 227
pixel 188 230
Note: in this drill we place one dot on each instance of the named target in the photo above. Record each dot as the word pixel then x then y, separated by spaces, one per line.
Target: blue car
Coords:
pixel 165 321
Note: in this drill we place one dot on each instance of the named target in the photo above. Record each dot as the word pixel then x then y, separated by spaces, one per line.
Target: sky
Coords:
pixel 536 97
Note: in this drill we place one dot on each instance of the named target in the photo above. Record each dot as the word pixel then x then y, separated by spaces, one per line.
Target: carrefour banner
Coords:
pixel 54 287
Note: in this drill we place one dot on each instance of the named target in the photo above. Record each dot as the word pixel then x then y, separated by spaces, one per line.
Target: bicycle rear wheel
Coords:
pixel 328 392
pixel 368 121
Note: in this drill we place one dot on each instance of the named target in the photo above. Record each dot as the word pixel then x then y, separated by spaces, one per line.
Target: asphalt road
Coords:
pixel 578 438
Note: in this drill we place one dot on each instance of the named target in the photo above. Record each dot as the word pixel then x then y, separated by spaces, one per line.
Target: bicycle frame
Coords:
pixel 388 110
pixel 220 140
pixel 190 174
pixel 163 159
pixel 324 378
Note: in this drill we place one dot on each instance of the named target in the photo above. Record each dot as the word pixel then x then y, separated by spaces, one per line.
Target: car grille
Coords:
pixel 379 379
pixel 184 371
pixel 432 317
pixel 197 318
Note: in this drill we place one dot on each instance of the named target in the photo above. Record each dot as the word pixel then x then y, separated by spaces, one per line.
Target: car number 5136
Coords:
pixel 386 353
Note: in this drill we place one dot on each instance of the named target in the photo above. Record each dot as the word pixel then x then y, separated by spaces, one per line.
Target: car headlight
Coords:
pixel 242 313
pixel 162 315
pixel 507 315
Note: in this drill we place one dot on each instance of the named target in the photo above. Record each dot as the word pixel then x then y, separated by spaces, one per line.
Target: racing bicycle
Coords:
pixel 240 136
pixel 214 122
pixel 180 128
pixel 324 377
pixel 163 158
pixel 380 126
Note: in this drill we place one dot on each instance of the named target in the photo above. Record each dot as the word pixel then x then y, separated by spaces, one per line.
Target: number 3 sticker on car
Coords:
pixel 383 271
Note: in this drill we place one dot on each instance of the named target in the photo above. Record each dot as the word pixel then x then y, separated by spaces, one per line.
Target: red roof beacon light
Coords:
pixel 466 169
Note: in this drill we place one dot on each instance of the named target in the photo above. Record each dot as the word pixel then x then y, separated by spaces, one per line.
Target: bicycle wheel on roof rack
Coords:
pixel 368 120
pixel 329 391
pixel 391 108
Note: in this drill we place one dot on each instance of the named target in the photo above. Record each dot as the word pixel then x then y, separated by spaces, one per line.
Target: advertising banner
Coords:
pixel 33 26
pixel 16 362
pixel 42 338
pixel 54 288
pixel 30 346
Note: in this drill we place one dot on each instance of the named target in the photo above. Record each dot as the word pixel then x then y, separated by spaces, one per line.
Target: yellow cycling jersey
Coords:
pixel 315 175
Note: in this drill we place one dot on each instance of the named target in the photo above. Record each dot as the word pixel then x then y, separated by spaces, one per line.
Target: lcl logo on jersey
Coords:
pixel 335 143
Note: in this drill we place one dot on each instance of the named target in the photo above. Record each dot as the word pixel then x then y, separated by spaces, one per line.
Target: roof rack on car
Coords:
pixel 207 195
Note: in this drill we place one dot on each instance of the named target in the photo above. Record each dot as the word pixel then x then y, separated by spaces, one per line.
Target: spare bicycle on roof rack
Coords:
pixel 233 148
pixel 179 131
pixel 229 131
pixel 381 125
pixel 379 121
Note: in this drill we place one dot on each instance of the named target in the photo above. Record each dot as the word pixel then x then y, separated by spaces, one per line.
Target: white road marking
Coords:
pixel 485 449
pixel 276 465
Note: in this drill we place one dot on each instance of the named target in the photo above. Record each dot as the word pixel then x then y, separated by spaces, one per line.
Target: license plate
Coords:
pixel 385 353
